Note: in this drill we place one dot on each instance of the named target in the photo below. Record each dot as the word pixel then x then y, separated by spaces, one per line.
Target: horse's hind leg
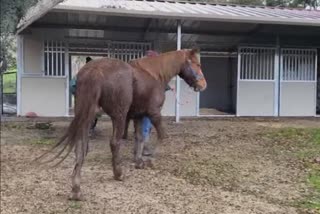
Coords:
pixel 125 134
pixel 115 144
pixel 138 144
pixel 80 152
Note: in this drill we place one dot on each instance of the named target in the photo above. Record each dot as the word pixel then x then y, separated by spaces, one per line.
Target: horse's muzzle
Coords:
pixel 200 85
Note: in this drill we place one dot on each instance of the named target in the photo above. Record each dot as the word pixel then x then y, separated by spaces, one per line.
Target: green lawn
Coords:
pixel 9 81
pixel 305 143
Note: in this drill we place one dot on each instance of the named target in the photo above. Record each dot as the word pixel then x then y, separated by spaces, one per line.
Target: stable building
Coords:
pixel 258 61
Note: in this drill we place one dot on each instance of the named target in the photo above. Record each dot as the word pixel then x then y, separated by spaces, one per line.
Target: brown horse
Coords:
pixel 124 91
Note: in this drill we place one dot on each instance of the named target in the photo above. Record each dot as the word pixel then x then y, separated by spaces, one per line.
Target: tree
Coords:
pixel 11 12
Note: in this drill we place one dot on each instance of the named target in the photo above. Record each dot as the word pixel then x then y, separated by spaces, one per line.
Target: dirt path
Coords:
pixel 203 167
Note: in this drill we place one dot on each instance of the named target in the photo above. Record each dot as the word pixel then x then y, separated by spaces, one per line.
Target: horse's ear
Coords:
pixel 195 51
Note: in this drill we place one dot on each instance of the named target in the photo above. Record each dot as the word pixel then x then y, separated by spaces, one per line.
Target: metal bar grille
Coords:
pixel 257 63
pixel 54 53
pixel 298 64
pixel 127 51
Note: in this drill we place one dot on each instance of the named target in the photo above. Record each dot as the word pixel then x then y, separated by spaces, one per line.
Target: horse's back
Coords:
pixel 114 78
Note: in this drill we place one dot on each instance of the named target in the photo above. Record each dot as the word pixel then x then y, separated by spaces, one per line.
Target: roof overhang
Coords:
pixel 35 13
pixel 188 16
pixel 175 11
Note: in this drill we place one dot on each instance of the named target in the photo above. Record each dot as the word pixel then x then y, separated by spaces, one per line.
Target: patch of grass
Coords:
pixel 313 200
pixel 75 205
pixel 9 81
pixel 43 141
pixel 13 126
pixel 305 145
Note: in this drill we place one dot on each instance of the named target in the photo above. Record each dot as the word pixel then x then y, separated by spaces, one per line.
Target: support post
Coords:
pixel 67 78
pixel 177 109
pixel 20 65
pixel 277 78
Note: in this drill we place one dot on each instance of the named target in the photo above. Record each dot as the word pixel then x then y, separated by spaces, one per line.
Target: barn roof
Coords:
pixel 202 11
pixel 193 11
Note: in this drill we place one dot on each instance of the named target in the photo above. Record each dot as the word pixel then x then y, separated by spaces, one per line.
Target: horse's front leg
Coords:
pixel 156 120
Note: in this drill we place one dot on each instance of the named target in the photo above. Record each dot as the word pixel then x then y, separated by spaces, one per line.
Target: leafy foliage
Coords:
pixel 11 11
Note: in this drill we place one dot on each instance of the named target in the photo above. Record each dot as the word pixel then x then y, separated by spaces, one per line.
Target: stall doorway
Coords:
pixel 220 96
pixel 76 63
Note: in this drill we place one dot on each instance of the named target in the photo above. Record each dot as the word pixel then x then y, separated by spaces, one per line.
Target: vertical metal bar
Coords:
pixel 67 78
pixel 306 65
pixel 260 65
pixel 276 69
pixel 311 70
pixel 61 51
pixel 312 60
pixel 289 65
pixel 241 62
pixel 263 64
pixel 239 66
pixel 267 64
pixel 51 71
pixel 56 58
pixel 288 56
pixel 47 57
pixel 296 64
pixel 250 64
pixel 127 52
pixel 284 61
pixel 177 77
pixel 281 64
pixel 254 60
pixel 244 55
pixel 299 57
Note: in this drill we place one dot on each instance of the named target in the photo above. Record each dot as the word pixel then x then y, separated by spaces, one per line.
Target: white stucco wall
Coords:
pixel 32 54
pixel 44 96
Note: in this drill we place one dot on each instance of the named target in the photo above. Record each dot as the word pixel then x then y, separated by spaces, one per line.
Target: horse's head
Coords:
pixel 191 70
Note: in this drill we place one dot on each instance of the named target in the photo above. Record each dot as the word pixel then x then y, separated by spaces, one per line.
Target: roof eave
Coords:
pixel 184 16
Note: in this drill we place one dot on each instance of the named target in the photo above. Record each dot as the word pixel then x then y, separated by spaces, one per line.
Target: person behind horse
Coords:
pixel 73 84
pixel 146 122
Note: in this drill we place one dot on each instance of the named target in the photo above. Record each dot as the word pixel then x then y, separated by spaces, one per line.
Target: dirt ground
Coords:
pixel 204 166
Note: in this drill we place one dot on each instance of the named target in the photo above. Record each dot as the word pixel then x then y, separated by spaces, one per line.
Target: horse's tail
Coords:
pixel 77 134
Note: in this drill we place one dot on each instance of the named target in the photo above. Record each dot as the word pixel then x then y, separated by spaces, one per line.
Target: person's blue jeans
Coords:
pixel 146 127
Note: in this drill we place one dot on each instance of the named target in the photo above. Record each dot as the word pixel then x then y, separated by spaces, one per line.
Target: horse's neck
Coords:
pixel 162 68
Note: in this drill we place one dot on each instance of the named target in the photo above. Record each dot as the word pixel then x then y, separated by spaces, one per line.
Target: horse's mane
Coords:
pixel 162 67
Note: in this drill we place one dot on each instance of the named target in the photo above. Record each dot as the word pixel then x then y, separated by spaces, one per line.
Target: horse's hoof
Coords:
pixel 149 163
pixel 119 177
pixel 76 196
pixel 140 164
